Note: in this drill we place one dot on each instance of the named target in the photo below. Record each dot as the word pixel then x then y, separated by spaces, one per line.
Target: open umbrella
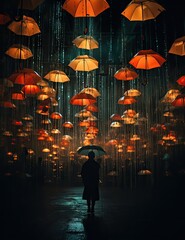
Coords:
pixel 93 91
pixel 178 47
pixel 18 51
pixel 85 42
pixel 142 10
pixel 57 76
pixel 147 59
pixel 99 151
pixel 85 8
pixel 125 74
pixel 25 76
pixel 82 99
pixel 125 100
pixel 181 80
pixel 26 26
pixel 83 63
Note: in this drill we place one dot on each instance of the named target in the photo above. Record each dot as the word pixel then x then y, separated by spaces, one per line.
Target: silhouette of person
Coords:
pixel 90 178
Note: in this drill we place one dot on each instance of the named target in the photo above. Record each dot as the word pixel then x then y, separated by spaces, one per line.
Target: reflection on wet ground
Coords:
pixel 56 212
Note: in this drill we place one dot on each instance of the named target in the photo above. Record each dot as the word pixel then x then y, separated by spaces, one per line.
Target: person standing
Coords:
pixel 90 178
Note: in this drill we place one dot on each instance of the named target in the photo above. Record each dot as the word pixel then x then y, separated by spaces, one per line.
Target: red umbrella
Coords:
pixel 82 99
pixel 126 100
pixel 30 90
pixel 179 101
pixel 25 76
pixel 147 59
pixel 126 74
pixel 181 80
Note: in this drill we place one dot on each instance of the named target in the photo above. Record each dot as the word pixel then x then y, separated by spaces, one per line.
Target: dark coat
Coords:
pixel 90 177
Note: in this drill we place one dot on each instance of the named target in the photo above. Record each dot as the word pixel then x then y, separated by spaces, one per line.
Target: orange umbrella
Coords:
pixel 85 8
pixel 147 59
pixel 82 99
pixel 179 101
pixel 115 117
pixel 132 93
pixel 91 108
pixel 126 100
pixel 19 51
pixel 18 96
pixel 178 47
pixel 27 27
pixel 30 90
pixel 181 80
pixel 83 63
pixel 57 76
pixel 93 91
pixel 85 42
pixel 125 74
pixel 26 76
pixel 142 10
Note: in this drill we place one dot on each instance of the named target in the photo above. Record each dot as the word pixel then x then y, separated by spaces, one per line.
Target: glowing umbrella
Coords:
pixel 142 10
pixel 178 47
pixel 126 100
pixel 83 63
pixel 92 108
pixel 25 76
pixel 82 99
pixel 30 90
pixel 19 51
pixel 26 26
pixel 179 101
pixel 93 91
pixel 125 74
pixel 57 76
pixel 85 42
pixel 132 93
pixel 147 59
pixel 181 80
pixel 85 8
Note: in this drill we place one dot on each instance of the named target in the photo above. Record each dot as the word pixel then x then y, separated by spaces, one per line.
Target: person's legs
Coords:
pixel 88 205
pixel 93 204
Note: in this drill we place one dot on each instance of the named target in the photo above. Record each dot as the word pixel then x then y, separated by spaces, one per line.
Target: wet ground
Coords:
pixel 56 211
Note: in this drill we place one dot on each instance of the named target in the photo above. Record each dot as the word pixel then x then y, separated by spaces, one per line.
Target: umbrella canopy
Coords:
pixel 179 101
pixel 147 59
pixel 25 76
pixel 85 42
pixel 85 8
pixel 99 151
pixel 93 91
pixel 18 51
pixel 178 47
pixel 142 10
pixel 83 63
pixel 125 74
pixel 27 27
pixel 181 80
pixel 57 76
pixel 125 100
pixel 132 93
pixel 82 99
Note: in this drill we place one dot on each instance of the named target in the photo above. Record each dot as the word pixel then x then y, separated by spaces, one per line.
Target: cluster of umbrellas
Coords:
pixel 32 83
